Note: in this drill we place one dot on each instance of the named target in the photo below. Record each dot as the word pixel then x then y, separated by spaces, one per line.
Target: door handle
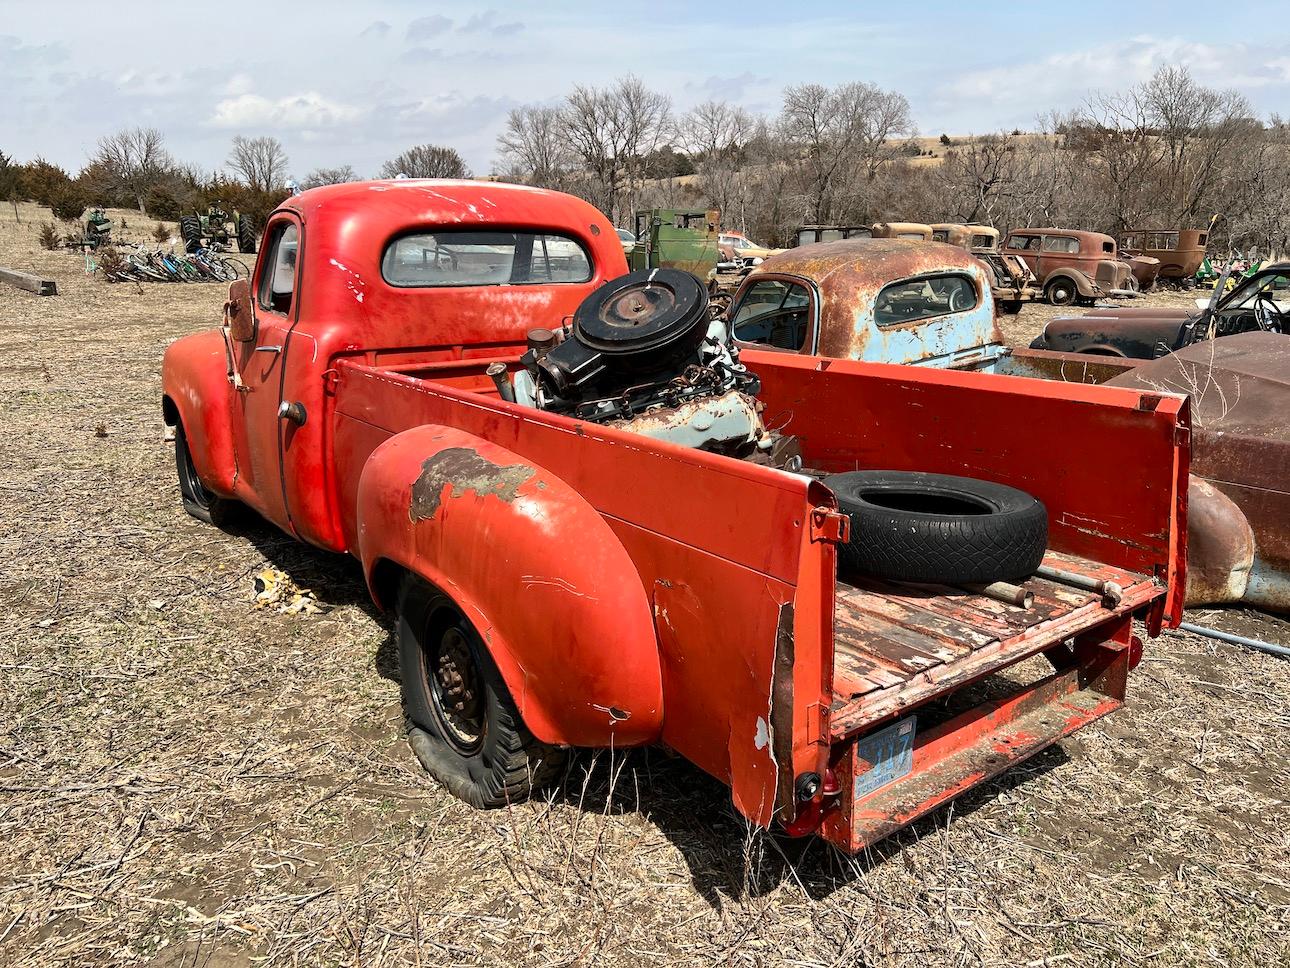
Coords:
pixel 295 412
pixel 268 349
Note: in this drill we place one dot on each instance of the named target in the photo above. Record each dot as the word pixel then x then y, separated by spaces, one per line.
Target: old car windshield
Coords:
pixel 456 258
pixel 1275 286
pixel 773 313
pixel 914 299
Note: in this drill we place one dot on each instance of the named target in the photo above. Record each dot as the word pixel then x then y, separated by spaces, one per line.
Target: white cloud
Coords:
pixel 308 110
pixel 1065 79
pixel 238 84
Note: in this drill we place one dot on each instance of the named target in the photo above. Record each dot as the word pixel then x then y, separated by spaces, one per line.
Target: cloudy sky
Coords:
pixel 356 82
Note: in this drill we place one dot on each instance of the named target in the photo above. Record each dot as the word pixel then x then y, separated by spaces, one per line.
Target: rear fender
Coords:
pixel 545 581
pixel 196 393
pixel 1086 286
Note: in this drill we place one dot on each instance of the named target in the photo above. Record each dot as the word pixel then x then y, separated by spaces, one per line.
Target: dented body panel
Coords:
pixel 633 591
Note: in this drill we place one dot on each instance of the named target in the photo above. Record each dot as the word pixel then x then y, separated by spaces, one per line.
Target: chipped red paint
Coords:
pixel 632 591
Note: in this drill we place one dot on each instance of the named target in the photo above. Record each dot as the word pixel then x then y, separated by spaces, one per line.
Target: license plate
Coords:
pixel 889 753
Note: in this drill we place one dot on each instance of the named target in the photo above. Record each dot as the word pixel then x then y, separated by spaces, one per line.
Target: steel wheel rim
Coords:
pixel 455 694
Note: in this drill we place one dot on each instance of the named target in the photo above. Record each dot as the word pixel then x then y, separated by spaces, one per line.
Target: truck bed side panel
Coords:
pixel 716 542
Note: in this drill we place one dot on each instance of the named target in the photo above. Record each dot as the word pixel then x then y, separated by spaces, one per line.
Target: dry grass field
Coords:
pixel 187 780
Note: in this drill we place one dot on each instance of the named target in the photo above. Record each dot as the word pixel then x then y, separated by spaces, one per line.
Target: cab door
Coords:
pixel 261 363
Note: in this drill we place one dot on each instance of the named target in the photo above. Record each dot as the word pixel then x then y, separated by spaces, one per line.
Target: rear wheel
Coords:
pixel 1061 292
pixel 245 235
pixel 465 728
pixel 198 501
pixel 190 230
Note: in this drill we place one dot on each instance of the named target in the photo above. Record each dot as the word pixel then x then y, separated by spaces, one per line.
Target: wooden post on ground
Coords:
pixel 25 280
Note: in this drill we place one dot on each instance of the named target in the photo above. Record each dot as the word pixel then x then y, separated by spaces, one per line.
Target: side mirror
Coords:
pixel 239 311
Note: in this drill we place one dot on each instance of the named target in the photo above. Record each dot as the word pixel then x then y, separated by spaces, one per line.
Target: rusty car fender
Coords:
pixel 541 575
pixel 196 392
pixel 1086 286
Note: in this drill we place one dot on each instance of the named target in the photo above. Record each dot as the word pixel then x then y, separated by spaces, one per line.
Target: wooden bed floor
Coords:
pixel 897 644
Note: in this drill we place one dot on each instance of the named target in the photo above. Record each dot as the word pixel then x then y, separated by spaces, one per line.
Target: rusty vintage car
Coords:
pixel 1071 265
pixel 1239 517
pixel 1180 252
pixel 876 300
pixel 1259 302
pixel 1011 280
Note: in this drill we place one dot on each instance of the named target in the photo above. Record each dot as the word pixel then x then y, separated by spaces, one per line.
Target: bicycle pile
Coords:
pixel 154 265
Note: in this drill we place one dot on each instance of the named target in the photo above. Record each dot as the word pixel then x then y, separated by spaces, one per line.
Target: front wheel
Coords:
pixel 198 501
pixel 465 728
pixel 1061 292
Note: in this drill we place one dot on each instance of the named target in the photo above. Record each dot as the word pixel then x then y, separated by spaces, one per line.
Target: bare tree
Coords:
pixel 1125 154
pixel 534 148
pixel 611 131
pixel 979 175
pixel 843 136
pixel 329 176
pixel 717 134
pixel 262 162
pixel 132 161
pixel 1200 128
pixel 427 161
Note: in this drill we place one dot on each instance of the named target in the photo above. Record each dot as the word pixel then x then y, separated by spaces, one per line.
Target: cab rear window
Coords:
pixel 457 258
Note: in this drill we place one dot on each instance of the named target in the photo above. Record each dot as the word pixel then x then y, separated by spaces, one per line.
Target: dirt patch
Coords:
pixel 185 779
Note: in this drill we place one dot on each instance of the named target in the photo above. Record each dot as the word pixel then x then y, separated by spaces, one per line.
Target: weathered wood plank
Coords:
pixel 25 280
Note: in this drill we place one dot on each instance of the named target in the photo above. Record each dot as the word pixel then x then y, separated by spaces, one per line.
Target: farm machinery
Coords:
pixel 217 228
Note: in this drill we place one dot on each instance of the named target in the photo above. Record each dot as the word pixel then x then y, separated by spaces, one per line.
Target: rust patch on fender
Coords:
pixel 463 470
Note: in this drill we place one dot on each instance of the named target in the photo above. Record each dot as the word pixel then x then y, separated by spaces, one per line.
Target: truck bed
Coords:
pixel 897 645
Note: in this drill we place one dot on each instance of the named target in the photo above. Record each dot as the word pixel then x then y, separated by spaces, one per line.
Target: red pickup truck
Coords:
pixel 589 537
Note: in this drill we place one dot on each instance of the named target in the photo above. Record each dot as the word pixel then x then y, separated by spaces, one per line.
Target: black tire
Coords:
pixel 190 230
pixel 1010 307
pixel 910 526
pixel 1039 343
pixel 198 501
pixel 1061 292
pixel 464 727
pixel 246 237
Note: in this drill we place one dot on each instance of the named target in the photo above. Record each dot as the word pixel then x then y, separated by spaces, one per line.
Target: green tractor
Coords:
pixel 217 229
pixel 98 229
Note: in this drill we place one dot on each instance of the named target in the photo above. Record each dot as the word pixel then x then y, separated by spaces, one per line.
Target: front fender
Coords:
pixel 544 579
pixel 196 391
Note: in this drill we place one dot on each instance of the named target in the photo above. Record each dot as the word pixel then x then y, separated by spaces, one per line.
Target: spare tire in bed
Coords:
pixel 911 526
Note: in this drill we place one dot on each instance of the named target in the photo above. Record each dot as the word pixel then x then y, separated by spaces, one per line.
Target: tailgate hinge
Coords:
pixel 331 380
pixel 831 526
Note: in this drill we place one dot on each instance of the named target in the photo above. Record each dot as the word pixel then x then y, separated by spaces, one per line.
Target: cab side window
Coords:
pixel 278 279
pixel 1061 243
pixel 774 313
